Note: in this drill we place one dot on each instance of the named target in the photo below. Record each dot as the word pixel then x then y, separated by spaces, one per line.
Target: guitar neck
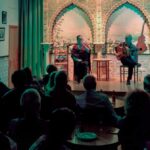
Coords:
pixel 143 27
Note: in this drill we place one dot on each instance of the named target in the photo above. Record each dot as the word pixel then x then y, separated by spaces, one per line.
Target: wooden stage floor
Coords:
pixel 109 86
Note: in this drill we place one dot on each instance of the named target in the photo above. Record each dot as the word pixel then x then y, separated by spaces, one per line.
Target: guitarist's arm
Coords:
pixel 126 51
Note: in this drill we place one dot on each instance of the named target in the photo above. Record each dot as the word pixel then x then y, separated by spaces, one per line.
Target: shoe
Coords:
pixel 128 82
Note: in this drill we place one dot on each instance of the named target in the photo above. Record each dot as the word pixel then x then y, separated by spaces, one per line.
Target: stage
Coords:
pixel 108 86
pixel 102 33
pixel 114 84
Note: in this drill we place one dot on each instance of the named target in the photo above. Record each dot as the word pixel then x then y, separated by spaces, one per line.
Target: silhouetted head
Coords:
pixel 62 123
pixel 61 79
pixel 52 78
pixel 50 83
pixel 146 83
pixel 18 78
pixel 4 142
pixel 31 102
pixel 128 39
pixel 89 82
pixel 28 73
pixel 79 39
pixel 137 104
pixel 50 68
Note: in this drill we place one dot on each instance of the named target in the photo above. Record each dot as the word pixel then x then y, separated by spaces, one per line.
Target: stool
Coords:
pixel 124 71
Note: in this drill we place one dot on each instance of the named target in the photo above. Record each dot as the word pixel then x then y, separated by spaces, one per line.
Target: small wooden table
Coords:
pixel 107 138
pixel 102 65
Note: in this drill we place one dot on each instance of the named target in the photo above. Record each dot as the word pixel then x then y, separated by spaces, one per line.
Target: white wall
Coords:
pixel 71 22
pixel 11 7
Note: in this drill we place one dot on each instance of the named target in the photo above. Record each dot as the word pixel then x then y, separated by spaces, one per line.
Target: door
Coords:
pixel 13 63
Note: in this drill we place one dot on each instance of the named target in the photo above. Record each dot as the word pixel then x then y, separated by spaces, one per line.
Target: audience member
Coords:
pixel 62 124
pixel 3 89
pixel 146 83
pixel 6 143
pixel 50 82
pixel 59 94
pixel 10 103
pixel 32 81
pixel 28 73
pixel 50 68
pixel 134 128
pixel 27 129
pixel 92 100
pixel 46 103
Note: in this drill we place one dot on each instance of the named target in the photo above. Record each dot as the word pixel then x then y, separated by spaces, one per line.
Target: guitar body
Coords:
pixel 141 44
pixel 121 51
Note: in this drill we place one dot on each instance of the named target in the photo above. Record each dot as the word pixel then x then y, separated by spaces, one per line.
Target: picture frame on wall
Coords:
pixel 2 33
pixel 4 17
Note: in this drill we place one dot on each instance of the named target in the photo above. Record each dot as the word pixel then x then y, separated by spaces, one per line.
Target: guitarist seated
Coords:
pixel 127 53
pixel 121 51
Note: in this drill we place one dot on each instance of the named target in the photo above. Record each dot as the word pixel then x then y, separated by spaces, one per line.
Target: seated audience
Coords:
pixel 50 68
pixel 3 89
pixel 27 129
pixel 46 103
pixel 62 124
pixel 59 95
pixel 146 83
pixel 28 73
pixel 50 82
pixel 96 103
pixel 6 143
pixel 32 81
pixel 10 103
pixel 135 126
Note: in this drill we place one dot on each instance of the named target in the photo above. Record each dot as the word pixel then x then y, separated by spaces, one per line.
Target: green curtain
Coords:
pixel 31 34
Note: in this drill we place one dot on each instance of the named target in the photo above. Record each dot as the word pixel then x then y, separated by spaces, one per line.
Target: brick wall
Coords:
pixel 52 9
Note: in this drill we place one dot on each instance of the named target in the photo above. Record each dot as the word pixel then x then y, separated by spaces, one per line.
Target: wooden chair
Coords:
pixel 97 115
pixel 124 71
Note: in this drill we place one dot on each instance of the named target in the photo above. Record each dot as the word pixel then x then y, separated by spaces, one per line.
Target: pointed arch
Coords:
pixel 121 3
pixel 61 8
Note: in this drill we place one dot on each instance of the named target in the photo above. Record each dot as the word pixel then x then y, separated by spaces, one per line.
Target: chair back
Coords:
pixel 95 114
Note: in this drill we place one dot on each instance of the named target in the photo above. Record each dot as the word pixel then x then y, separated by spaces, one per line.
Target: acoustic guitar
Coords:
pixel 141 41
pixel 122 50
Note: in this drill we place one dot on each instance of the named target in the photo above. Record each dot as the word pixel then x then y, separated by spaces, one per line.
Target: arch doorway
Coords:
pixel 71 22
pixel 126 19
